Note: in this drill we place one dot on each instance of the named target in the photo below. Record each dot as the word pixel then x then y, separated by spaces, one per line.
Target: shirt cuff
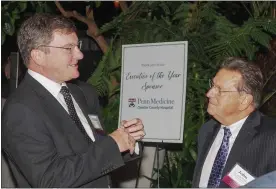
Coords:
pixel 137 150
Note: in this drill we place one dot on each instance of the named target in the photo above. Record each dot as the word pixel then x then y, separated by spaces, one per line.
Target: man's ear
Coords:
pixel 38 56
pixel 246 101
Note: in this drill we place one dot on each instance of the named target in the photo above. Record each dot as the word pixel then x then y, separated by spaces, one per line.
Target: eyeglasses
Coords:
pixel 217 89
pixel 71 48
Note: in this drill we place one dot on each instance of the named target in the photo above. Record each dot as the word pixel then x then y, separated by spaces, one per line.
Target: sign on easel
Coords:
pixel 153 88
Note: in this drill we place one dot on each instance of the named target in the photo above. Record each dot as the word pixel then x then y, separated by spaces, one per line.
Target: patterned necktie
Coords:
pixel 72 111
pixel 219 163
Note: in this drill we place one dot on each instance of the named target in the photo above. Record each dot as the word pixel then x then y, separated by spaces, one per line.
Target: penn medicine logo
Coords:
pixel 131 102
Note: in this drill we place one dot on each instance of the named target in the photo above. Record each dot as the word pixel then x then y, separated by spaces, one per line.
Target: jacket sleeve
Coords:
pixel 127 157
pixel 28 142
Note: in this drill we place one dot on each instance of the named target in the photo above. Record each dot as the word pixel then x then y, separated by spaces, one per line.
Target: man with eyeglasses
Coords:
pixel 239 143
pixel 48 131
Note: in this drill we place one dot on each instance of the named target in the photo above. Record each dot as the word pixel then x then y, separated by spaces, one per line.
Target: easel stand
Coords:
pixel 157 162
pixel 139 167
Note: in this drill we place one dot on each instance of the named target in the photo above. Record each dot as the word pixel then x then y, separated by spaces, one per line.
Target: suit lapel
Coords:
pixel 80 99
pixel 245 136
pixel 206 147
pixel 48 98
pixel 61 115
pixel 50 103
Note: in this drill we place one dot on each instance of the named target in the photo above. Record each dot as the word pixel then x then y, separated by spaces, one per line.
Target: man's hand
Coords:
pixel 134 127
pixel 124 140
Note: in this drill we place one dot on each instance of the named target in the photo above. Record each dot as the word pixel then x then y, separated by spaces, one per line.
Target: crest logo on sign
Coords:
pixel 131 102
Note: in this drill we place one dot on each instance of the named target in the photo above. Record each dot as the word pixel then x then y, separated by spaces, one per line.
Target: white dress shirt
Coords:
pixel 209 161
pixel 54 88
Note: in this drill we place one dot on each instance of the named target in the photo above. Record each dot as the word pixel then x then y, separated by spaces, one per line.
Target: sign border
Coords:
pixel 185 44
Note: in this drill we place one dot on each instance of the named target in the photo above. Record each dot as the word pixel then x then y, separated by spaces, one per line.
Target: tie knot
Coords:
pixel 64 90
pixel 227 132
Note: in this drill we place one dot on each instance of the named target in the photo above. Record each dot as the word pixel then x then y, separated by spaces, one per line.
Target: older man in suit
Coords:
pixel 47 132
pixel 238 137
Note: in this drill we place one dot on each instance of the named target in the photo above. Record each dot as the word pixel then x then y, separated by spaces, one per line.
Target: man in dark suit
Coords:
pixel 238 136
pixel 49 133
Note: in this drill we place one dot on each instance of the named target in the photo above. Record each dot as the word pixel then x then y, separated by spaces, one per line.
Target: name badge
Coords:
pixel 95 121
pixel 237 177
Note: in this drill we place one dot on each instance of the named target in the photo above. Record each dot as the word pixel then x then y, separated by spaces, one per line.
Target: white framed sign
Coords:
pixel 153 88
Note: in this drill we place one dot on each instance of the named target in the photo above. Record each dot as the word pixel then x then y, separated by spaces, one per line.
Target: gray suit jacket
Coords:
pixel 7 179
pixel 254 148
pixel 265 181
pixel 44 146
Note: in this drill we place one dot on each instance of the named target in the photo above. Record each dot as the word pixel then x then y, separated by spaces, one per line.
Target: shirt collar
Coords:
pixel 51 86
pixel 235 127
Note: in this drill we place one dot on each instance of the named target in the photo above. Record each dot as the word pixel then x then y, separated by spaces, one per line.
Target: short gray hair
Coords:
pixel 252 78
pixel 38 30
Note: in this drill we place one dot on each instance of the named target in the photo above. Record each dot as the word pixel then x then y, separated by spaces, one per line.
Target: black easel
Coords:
pixel 157 161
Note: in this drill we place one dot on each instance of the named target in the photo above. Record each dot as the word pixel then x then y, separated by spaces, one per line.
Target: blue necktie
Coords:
pixel 219 163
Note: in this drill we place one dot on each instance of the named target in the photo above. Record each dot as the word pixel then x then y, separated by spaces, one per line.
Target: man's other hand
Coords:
pixel 135 128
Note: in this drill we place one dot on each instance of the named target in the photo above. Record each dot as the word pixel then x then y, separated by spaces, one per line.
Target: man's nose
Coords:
pixel 210 93
pixel 78 54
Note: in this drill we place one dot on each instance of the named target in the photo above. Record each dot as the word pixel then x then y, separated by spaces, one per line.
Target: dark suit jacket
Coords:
pixel 45 147
pixel 254 148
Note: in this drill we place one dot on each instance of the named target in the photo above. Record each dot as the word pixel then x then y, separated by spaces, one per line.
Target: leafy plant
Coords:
pixel 13 12
pixel 10 13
